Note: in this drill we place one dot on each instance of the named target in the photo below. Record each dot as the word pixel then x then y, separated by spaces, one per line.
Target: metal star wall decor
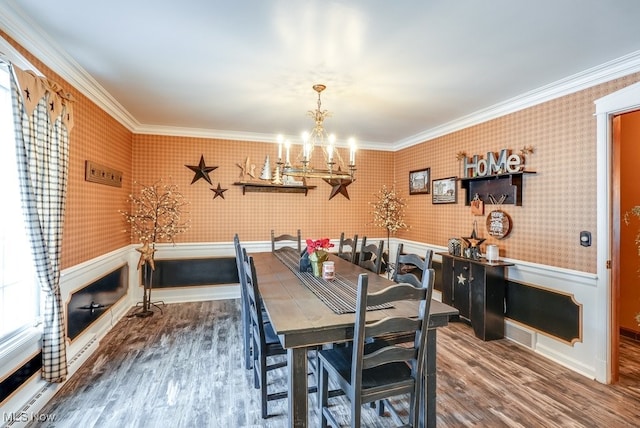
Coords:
pixel 219 191
pixel 201 171
pixel 339 186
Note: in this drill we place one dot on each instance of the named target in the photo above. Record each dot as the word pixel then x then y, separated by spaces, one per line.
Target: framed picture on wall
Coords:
pixel 445 191
pixel 419 181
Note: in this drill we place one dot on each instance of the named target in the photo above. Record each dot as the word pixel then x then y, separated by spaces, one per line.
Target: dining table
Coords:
pixel 307 312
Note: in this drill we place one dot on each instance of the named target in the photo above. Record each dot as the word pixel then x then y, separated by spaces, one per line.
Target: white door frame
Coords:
pixel 624 100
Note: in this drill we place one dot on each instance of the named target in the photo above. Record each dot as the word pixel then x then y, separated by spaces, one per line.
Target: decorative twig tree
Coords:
pixel 156 216
pixel 635 211
pixel 388 213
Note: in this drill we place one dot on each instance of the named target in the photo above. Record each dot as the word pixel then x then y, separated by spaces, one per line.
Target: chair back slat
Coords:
pixel 348 254
pixel 410 267
pixel 396 292
pixel 395 354
pixel 371 256
pixel 287 241
pixel 392 325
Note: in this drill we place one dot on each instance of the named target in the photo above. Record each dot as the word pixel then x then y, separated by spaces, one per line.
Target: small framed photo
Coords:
pixel 445 191
pixel 419 181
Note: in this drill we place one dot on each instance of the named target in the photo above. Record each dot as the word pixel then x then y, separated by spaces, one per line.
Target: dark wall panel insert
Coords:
pixel 90 302
pixel 545 310
pixel 190 272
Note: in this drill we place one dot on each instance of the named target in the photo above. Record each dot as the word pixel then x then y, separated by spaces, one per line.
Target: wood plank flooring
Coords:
pixel 184 369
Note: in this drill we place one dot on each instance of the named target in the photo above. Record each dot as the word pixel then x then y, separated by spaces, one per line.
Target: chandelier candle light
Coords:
pixel 318 137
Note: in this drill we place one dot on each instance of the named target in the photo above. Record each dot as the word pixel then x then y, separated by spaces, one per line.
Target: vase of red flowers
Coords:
pixel 318 254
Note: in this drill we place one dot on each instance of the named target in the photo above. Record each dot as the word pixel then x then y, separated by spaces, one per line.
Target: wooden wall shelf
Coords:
pixel 496 185
pixel 274 188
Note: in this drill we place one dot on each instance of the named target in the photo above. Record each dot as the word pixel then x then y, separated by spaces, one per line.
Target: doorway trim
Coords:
pixel 622 101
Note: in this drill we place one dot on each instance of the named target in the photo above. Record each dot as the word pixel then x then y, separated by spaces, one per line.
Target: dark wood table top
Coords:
pixel 301 319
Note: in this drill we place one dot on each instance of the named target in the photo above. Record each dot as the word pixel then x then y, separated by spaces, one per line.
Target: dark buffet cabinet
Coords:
pixel 477 289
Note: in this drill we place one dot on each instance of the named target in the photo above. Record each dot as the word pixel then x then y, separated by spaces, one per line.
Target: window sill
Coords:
pixel 19 348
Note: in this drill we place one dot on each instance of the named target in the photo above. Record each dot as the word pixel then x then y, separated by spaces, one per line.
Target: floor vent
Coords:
pixel 83 354
pixel 30 411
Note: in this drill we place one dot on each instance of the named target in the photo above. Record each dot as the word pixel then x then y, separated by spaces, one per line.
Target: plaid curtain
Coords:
pixel 42 148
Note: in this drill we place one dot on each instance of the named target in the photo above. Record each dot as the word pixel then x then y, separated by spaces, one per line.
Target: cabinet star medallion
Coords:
pixel 339 186
pixel 201 171
pixel 219 191
pixel 461 279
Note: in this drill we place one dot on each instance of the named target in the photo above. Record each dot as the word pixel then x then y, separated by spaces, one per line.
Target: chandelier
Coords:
pixel 324 143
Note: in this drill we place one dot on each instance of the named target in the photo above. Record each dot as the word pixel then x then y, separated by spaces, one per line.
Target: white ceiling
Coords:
pixel 395 71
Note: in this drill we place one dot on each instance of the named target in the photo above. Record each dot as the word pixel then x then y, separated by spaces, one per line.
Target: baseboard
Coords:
pixel 631 334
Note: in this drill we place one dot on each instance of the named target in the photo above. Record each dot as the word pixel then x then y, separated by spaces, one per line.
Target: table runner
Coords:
pixel 339 295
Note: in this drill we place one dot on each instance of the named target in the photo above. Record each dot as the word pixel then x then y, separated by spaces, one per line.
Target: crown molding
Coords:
pixel 608 71
pixel 31 37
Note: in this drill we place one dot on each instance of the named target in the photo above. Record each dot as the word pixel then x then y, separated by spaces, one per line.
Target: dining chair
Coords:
pixel 288 241
pixel 371 256
pixel 410 267
pixel 265 342
pixel 244 304
pixel 376 371
pixel 349 254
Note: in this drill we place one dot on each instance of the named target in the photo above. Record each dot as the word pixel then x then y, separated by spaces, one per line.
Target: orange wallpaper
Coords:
pixel 629 263
pixel 253 215
pixel 91 215
pixel 558 202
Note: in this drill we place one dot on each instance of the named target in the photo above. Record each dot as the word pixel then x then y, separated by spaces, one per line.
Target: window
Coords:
pixel 19 292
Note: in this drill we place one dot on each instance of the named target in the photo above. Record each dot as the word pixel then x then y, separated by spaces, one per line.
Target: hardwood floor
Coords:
pixel 184 369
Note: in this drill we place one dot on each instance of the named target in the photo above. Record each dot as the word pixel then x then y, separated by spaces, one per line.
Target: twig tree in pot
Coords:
pixel 388 213
pixel 156 216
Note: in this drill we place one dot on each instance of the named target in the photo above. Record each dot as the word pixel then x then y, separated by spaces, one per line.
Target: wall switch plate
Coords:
pixel 585 238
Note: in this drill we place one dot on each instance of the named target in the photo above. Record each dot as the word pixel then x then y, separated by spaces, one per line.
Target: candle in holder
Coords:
pixel 328 271
pixel 287 146
pixel 330 153
pixel 352 151
pixel 492 253
pixel 306 152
